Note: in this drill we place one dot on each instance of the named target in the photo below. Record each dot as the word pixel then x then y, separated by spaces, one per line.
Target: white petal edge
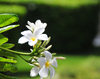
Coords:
pixel 52 72
pixel 42 37
pixel 41 61
pixel 32 25
pixel 26 32
pixel 48 55
pixel 34 71
pixel 29 27
pixel 54 62
pixel 22 40
pixel 44 25
pixel 39 24
pixel 43 72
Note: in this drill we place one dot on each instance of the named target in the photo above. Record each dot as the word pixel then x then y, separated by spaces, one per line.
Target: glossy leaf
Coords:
pixel 6 19
pixel 7 60
pixel 7 28
pixel 3 39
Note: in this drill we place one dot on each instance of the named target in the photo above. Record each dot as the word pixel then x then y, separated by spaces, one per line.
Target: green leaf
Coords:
pixel 6 19
pixel 7 60
pixel 7 67
pixel 7 45
pixel 7 28
pixel 3 39
pixel 10 67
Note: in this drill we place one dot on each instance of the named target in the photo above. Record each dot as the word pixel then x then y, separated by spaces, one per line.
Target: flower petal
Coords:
pixel 52 72
pixel 54 62
pixel 22 40
pixel 48 55
pixel 38 31
pixel 42 37
pixel 34 71
pixel 44 25
pixel 39 24
pixel 32 43
pixel 43 72
pixel 41 61
pixel 27 33
pixel 32 25
pixel 29 27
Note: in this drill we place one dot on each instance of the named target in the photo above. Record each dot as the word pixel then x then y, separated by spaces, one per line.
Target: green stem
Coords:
pixel 15 52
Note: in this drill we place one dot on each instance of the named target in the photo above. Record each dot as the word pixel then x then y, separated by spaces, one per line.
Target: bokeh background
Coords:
pixel 73 26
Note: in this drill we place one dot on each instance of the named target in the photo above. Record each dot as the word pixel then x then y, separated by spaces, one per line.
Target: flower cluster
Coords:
pixel 42 60
pixel 45 64
pixel 34 33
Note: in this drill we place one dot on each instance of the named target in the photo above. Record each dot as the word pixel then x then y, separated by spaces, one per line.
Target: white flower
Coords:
pixel 38 24
pixel 35 70
pixel 33 36
pixel 47 64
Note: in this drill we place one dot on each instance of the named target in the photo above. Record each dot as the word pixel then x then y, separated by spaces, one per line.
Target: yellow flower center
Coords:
pixel 47 64
pixel 33 38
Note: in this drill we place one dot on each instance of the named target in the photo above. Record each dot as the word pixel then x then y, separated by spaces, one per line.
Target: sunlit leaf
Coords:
pixel 3 39
pixel 7 60
pixel 6 19
pixel 7 28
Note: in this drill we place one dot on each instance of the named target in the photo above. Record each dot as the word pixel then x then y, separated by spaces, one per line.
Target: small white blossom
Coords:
pixel 34 26
pixel 33 36
pixel 47 64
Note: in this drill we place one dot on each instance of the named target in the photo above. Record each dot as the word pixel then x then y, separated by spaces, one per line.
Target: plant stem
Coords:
pixel 15 52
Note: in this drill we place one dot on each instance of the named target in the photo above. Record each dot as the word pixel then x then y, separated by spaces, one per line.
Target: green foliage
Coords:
pixel 7 59
pixel 64 3
pixel 11 8
pixel 8 28
pixel 2 59
pixel 67 3
pixel 6 19
pixel 3 39
pixel 9 67
pixel 7 45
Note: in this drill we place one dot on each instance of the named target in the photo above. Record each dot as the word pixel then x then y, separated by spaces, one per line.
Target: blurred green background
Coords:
pixel 72 24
